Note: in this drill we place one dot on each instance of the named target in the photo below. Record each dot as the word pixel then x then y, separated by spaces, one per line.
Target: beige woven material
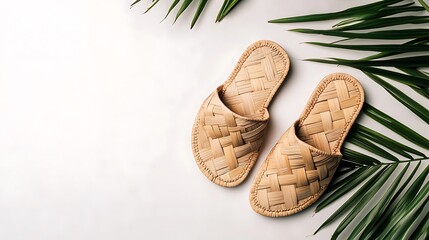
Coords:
pixel 302 163
pixel 231 123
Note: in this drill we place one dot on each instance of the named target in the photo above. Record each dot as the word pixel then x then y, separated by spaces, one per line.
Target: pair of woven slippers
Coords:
pixel 230 126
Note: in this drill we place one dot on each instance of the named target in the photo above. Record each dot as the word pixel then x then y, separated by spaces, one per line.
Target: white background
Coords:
pixel 97 104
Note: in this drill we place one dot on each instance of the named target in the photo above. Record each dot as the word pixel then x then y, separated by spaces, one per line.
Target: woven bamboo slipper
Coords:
pixel 229 127
pixel 301 165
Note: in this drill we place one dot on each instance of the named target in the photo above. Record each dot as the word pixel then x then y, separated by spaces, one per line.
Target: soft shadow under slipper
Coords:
pixel 230 124
pixel 301 165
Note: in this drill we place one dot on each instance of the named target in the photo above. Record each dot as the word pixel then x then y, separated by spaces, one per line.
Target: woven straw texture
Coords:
pixel 304 160
pixel 230 125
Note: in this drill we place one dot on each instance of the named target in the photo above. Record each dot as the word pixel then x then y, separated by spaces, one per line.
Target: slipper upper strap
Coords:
pixel 227 140
pixel 296 172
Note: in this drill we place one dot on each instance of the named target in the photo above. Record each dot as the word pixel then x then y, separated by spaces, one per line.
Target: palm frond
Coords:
pixel 345 188
pixel 393 21
pixel 151 6
pixel 227 7
pixel 377 48
pixel 383 35
pixel 200 9
pixel 371 219
pixel 172 6
pixel 351 12
pixel 384 141
pixel 422 231
pixel 421 111
pixel 355 198
pixel 182 8
pixel 396 126
pixel 390 196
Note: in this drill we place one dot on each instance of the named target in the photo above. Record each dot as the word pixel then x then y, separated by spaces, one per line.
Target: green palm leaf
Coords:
pixel 390 202
pixel 386 11
pixel 346 188
pixel 336 185
pixel 424 91
pixel 408 102
pixel 396 126
pixel 182 8
pixel 410 214
pixel 399 209
pixel 172 6
pixel 200 9
pixel 392 21
pixel 395 48
pixel 351 12
pixel 134 3
pixel 406 62
pixel 151 6
pixel 227 7
pixel 358 157
pixel 353 200
pixel 360 141
pixel 384 34
pixel 364 200
pixel 410 80
pixel 375 214
pixel 422 231
pixel 384 141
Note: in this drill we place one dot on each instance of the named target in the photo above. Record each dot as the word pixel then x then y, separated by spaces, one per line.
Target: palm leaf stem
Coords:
pixel 422 2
